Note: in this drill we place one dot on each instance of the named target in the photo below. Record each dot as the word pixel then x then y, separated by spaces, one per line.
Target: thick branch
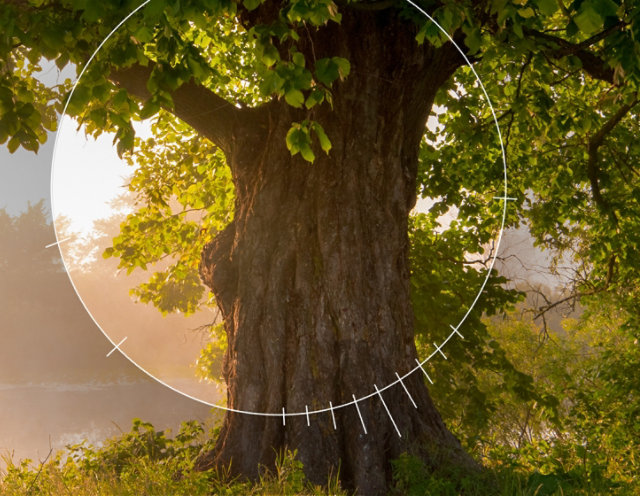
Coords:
pixel 212 116
pixel 370 6
pixel 593 169
pixel 591 63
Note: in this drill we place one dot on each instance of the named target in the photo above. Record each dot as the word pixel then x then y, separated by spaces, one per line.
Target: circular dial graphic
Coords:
pixel 95 213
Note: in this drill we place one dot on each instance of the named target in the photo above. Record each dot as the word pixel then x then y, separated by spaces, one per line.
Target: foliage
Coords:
pixel 184 196
pixel 446 277
pixel 202 40
pixel 569 137
pixel 209 363
pixel 149 462
pixel 588 441
pixel 145 461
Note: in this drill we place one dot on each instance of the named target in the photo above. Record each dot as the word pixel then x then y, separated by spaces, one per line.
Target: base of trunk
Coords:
pixel 359 449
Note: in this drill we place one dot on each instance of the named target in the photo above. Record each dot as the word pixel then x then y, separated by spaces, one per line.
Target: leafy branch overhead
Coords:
pixel 553 70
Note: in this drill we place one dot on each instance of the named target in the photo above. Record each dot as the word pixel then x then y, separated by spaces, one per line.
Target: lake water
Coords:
pixel 37 416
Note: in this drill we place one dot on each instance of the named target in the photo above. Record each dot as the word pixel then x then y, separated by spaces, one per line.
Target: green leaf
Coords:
pixel 13 144
pixel 325 142
pixel 605 8
pixel 473 40
pixel 526 12
pixel 154 9
pixel 125 139
pixel 143 34
pixel 294 97
pixel 517 29
pixel 296 139
pixel 547 7
pixel 99 117
pixel 251 4
pixel 327 71
pixel 298 59
pixel 270 55
pixel 344 67
pixel 79 100
pixel 272 83
pixel 307 154
pixel 588 21
pixel 149 109
pixel 315 97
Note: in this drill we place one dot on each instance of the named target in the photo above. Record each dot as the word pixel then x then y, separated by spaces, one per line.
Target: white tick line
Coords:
pixel 423 370
pixel 355 402
pixel 507 198
pixel 306 408
pixel 387 409
pixel 406 391
pixel 58 242
pixel 440 351
pixel 284 422
pixel 455 329
pixel 117 346
pixel 333 416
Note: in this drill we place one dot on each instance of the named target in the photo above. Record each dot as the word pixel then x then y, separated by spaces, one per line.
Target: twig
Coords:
pixel 39 470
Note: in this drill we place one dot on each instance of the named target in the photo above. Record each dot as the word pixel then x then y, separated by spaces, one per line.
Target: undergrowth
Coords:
pixel 146 462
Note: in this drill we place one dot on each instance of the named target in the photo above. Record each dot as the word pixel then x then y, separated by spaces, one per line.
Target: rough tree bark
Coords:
pixel 312 276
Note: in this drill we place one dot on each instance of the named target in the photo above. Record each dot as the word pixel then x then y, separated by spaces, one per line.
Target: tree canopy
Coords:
pixel 563 80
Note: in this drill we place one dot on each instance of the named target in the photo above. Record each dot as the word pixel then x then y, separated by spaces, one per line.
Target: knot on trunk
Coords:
pixel 217 269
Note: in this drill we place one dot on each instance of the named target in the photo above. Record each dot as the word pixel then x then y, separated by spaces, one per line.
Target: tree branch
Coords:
pixel 375 5
pixel 593 169
pixel 591 63
pixel 210 115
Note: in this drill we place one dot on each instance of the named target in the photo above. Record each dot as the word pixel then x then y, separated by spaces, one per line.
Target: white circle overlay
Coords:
pixel 377 391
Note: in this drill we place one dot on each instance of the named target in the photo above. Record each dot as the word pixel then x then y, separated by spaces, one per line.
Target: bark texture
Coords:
pixel 312 276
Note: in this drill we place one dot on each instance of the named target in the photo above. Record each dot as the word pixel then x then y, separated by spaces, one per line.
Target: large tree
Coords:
pixel 318 109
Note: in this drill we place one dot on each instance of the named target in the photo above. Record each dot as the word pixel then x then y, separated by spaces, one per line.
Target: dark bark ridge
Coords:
pixel 312 276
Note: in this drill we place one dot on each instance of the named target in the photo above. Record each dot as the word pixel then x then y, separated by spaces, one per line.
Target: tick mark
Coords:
pixel 455 329
pixel 355 401
pixel 423 370
pixel 333 416
pixel 387 409
pixel 406 391
pixel 117 347
pixel 58 242
pixel 440 351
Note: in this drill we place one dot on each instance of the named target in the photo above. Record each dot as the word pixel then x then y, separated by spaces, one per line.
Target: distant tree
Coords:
pixel 316 112
pixel 23 238
pixel 40 310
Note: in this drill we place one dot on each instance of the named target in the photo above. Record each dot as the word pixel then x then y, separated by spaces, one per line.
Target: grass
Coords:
pixel 145 462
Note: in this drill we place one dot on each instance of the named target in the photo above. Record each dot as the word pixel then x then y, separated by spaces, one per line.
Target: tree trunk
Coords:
pixel 312 276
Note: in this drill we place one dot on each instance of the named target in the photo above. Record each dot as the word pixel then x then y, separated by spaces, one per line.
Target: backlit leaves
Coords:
pixel 184 197
pixel 300 139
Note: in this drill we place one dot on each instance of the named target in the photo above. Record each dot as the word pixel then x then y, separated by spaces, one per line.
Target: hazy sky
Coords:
pixel 87 174
pixel 24 177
